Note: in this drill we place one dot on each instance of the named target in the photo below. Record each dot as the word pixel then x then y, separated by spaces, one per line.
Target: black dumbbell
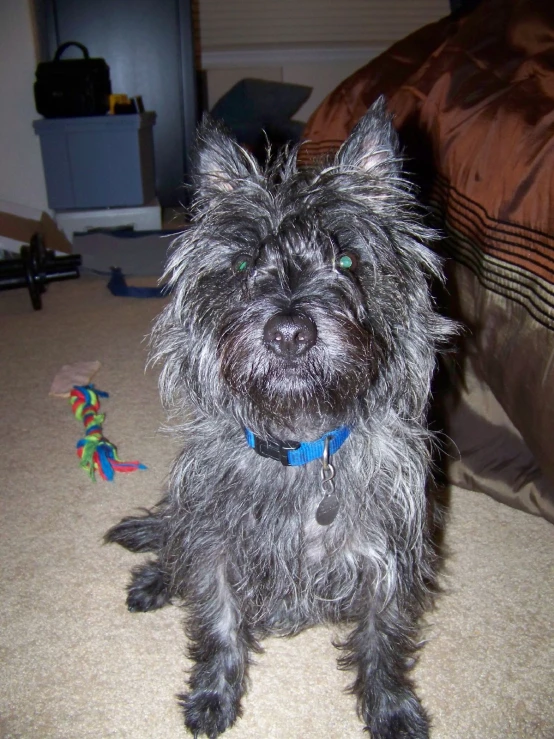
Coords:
pixel 36 267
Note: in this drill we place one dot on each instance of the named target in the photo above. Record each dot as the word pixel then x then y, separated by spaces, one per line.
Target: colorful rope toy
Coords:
pixel 96 453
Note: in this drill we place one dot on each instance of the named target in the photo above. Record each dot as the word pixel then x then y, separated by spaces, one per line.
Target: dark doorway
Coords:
pixel 148 45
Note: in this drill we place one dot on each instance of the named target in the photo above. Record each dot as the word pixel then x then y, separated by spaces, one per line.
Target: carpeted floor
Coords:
pixel 75 664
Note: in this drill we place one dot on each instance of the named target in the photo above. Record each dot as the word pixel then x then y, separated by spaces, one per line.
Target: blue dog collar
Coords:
pixel 295 453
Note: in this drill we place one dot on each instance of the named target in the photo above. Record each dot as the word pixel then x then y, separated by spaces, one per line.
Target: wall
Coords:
pixel 311 42
pixel 21 175
pixel 239 23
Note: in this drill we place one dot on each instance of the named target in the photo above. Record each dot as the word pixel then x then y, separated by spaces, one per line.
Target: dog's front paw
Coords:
pixel 399 717
pixel 208 712
pixel 148 588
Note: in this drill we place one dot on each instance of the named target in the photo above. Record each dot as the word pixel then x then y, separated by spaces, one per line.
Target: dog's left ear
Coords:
pixel 220 164
pixel 373 144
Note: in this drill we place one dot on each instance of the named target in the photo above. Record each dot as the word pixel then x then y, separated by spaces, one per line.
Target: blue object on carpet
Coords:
pixel 118 286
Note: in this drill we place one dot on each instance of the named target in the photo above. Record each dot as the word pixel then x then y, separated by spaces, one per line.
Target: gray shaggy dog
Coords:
pixel 297 353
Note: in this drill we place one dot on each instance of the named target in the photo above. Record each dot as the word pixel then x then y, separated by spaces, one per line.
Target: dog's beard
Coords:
pixel 316 390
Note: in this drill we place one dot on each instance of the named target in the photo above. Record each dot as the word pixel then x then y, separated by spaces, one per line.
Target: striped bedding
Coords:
pixel 473 101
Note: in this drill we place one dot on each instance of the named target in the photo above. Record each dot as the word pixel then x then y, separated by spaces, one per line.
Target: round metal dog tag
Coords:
pixel 327 510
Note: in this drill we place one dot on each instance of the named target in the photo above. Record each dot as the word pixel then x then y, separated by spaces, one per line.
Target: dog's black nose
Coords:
pixel 289 335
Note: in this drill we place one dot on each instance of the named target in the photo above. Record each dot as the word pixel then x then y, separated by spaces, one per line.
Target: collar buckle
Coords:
pixel 277 450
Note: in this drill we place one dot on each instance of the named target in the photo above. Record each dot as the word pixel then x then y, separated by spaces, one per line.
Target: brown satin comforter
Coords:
pixel 473 101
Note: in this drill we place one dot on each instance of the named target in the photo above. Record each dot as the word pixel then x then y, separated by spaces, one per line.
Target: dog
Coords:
pixel 297 352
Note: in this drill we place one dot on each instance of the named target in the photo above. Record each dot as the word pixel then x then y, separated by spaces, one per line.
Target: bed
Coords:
pixel 472 97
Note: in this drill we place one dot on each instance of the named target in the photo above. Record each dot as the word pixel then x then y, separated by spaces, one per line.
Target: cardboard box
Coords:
pixel 141 218
pixel 18 224
pixel 135 252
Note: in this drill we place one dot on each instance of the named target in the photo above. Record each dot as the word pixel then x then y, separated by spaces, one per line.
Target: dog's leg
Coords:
pixel 148 589
pixel 380 648
pixel 138 533
pixel 219 644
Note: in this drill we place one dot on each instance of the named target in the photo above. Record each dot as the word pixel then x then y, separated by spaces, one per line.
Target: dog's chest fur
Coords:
pixel 285 567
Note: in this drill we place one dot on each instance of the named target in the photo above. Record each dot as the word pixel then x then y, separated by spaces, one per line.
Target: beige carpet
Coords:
pixel 75 664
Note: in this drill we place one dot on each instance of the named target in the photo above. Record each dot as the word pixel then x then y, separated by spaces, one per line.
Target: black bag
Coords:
pixel 72 87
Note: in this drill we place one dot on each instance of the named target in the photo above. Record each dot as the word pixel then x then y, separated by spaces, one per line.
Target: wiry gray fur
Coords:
pixel 236 538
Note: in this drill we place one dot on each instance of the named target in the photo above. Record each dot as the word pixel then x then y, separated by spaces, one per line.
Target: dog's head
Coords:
pixel 300 296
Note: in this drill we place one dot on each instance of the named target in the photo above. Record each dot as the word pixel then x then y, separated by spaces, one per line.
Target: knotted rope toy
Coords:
pixel 96 453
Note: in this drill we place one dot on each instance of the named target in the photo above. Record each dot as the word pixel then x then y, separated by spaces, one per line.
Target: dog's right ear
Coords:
pixel 220 164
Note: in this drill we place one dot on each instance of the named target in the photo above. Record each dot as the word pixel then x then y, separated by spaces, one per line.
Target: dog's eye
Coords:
pixel 242 263
pixel 347 261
